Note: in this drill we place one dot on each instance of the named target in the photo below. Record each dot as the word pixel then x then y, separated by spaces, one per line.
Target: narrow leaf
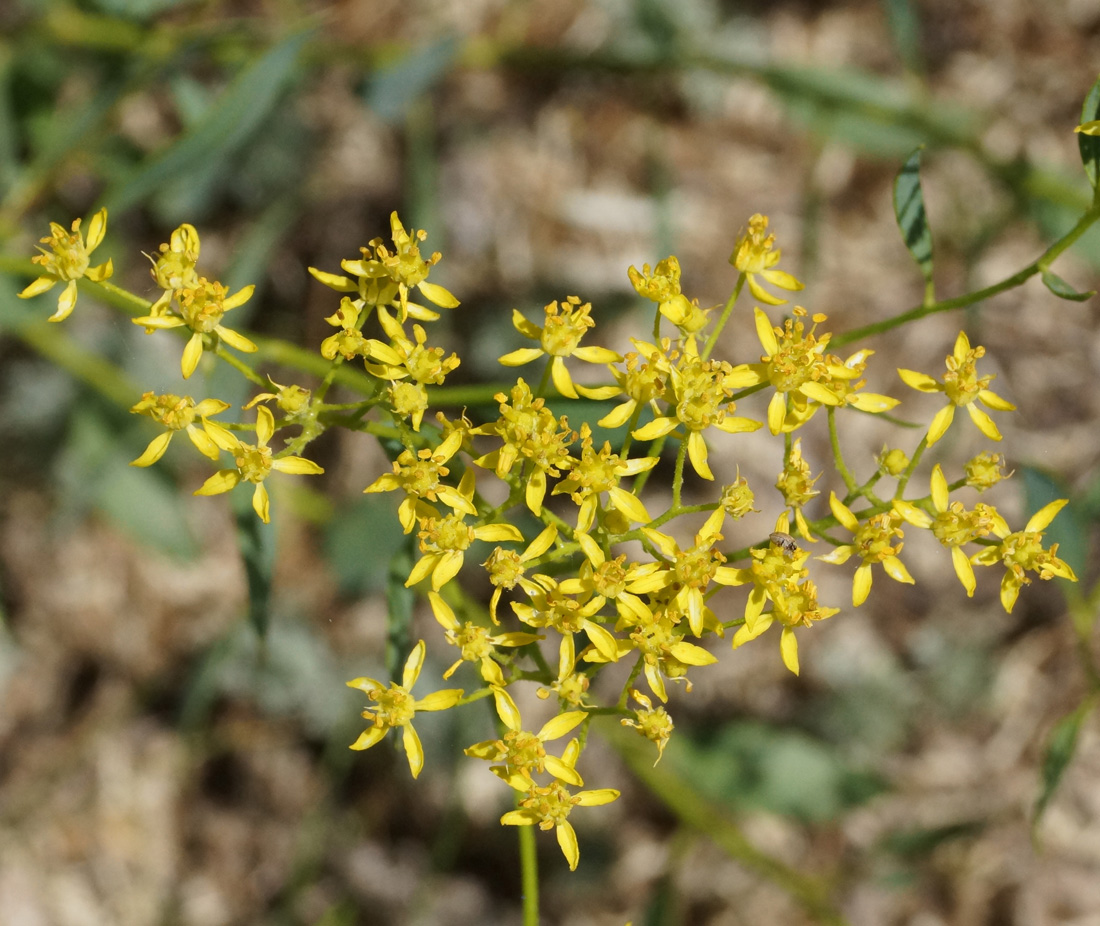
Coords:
pixel 1090 144
pixel 1062 289
pixel 911 217
pixel 257 548
pixel 229 122
pixel 1059 752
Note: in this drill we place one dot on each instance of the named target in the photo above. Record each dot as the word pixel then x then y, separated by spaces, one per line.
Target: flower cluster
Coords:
pixel 589 564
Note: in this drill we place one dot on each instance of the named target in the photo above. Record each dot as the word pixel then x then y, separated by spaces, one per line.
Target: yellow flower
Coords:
pixel 558 338
pixel 419 477
pixel 548 807
pixel 290 400
pixel 253 462
pixel 201 308
pixel 445 540
pixel 174 265
pixel 384 277
pixel 654 723
pixel 662 285
pixel 598 472
pixel 753 256
pixel 985 470
pixel 67 261
pixel 1023 551
pixel 873 543
pixel 570 686
pixel 475 642
pixel 524 754
pixel 795 365
pixel 643 380
pixel 396 707
pixel 530 433
pixel 656 637
pixel 552 607
pixel 796 483
pixel 700 393
pixel 506 567
pixel 952 525
pixel 177 413
pixel 963 386
pixel 689 572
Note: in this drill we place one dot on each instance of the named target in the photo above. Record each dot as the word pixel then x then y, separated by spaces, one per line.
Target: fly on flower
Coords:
pixel 785 542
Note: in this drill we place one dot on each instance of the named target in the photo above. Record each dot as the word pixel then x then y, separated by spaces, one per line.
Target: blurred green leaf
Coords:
pixel 256 542
pixel 1059 751
pixel 911 216
pixel 754 765
pixel 93 471
pixel 1062 289
pixel 360 540
pixel 916 844
pixel 225 127
pixel 1089 145
pixel 862 110
pixel 393 89
pixel 904 25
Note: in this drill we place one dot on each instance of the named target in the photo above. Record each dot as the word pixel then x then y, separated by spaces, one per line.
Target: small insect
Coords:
pixel 785 542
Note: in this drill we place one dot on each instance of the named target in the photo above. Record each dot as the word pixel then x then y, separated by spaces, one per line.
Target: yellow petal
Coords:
pixel 156 449
pixel 438 295
pixel 861 584
pixel 760 293
pixel 788 649
pixel 963 570
pixel 222 481
pixel 519 357
pixel 261 503
pixel 236 339
pixel 556 727
pixel 39 286
pixel 920 381
pixel 697 453
pixel 506 709
pixel 843 513
pixel 97 228
pixel 65 303
pixel 765 332
pixel 414 752
pixel 777 411
pixel 563 382
pixel 413 664
pixel 567 839
pixel 368 738
pixel 940 489
pixel 191 354
pixel 297 466
pixel 940 423
pixel 985 424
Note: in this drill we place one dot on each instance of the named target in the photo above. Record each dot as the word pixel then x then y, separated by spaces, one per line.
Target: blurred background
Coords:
pixel 161 763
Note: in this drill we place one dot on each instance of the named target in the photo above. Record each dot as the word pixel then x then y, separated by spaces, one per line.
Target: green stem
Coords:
pixel 1086 221
pixel 721 323
pixel 529 871
pixel 838 457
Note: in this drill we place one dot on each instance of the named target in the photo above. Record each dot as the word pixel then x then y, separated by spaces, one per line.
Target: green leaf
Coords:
pixel 228 123
pixel 394 89
pixel 1062 289
pixel 1090 144
pixel 257 546
pixel 911 216
pixel 1060 747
